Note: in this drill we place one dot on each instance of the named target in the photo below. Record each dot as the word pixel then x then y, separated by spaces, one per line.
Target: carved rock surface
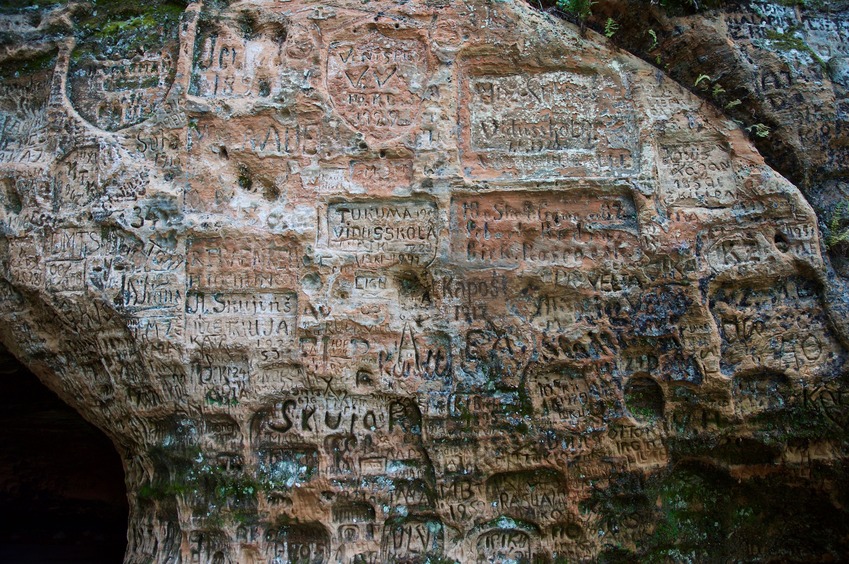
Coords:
pixel 414 281
pixel 777 67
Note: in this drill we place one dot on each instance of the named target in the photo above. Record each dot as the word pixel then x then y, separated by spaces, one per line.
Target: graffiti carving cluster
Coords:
pixel 398 292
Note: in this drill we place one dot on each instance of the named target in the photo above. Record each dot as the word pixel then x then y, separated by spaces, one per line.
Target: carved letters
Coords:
pixel 404 281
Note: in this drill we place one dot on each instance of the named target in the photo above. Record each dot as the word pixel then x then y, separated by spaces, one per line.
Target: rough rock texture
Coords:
pixel 415 281
pixel 777 67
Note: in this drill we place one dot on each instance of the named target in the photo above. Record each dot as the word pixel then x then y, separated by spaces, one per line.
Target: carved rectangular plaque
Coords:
pixel 575 228
pixel 384 227
pixel 552 124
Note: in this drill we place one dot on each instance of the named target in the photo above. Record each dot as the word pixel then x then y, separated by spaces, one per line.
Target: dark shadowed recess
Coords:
pixel 62 493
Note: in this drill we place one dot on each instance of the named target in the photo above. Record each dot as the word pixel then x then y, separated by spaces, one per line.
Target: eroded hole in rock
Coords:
pixel 644 399
pixel 245 180
pixel 62 492
pixel 9 196
pixel 781 242
pixel 278 31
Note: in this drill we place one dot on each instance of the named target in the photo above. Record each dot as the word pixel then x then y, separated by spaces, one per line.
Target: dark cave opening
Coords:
pixel 62 492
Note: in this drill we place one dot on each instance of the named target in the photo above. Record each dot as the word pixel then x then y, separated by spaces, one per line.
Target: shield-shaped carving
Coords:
pixel 118 82
pixel 376 83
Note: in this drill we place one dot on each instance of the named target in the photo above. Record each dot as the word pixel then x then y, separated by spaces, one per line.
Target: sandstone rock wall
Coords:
pixel 414 281
pixel 776 67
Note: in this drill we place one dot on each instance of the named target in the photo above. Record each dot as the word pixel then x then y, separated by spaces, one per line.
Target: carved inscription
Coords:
pixel 804 344
pixel 114 94
pixel 537 495
pixel 298 544
pixel 565 399
pixel 268 320
pixel 575 229
pixel 231 64
pixel 121 79
pixel 695 174
pixel 412 539
pixel 756 23
pixel 385 231
pixel 23 118
pixel 391 173
pixel 311 415
pixel 289 467
pixel 224 381
pixel 263 137
pixel 424 281
pixel 240 263
pixel 377 83
pixel 549 125
pixel 504 545
pixel 755 394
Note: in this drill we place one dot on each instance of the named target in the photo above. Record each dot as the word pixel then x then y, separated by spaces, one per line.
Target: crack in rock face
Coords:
pixel 414 282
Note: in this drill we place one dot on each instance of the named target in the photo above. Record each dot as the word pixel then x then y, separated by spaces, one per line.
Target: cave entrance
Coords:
pixel 62 492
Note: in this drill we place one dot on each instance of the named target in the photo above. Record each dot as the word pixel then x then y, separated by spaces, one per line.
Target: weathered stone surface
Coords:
pixel 411 281
pixel 777 67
